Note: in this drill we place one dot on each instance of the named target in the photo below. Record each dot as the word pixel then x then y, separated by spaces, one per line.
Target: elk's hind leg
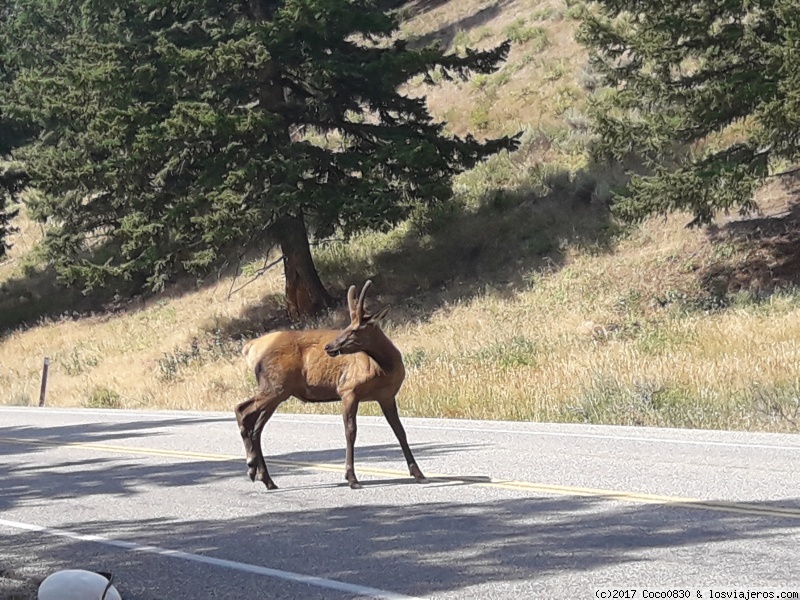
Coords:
pixel 389 408
pixel 252 415
pixel 245 416
pixel 262 474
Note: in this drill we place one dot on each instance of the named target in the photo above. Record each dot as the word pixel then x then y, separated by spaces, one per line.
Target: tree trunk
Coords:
pixel 305 294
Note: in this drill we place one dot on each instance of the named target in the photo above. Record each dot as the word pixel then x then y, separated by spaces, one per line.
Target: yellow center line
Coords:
pixel 505 484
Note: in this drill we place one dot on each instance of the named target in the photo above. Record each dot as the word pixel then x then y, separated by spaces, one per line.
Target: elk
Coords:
pixel 354 365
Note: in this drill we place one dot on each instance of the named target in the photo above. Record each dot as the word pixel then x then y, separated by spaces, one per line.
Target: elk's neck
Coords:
pixel 387 356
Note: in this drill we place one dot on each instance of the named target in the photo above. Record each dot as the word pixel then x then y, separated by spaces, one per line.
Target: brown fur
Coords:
pixel 357 364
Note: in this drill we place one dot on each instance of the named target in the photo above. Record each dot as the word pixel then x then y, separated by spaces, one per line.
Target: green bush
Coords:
pixel 103 397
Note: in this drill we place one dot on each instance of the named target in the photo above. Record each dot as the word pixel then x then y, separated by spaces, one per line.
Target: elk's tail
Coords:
pixel 248 355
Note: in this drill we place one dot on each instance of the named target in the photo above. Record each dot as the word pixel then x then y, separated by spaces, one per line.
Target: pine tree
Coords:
pixel 13 179
pixel 13 134
pixel 9 185
pixel 171 131
pixel 704 97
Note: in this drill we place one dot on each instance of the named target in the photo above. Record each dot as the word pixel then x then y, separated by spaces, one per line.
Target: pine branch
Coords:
pixel 258 274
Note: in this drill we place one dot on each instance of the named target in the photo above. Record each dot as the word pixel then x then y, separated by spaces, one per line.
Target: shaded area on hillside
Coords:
pixel 33 293
pixel 36 294
pixel 447 33
pixel 457 255
pixel 414 8
pixel 499 247
pixel 769 256
pixel 26 300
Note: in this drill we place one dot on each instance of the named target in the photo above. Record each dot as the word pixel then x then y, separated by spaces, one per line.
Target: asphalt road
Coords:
pixel 513 510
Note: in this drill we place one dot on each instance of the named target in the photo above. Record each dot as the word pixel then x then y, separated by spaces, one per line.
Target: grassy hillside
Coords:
pixel 525 301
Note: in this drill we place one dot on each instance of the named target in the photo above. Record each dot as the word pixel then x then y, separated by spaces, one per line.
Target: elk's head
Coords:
pixel 363 326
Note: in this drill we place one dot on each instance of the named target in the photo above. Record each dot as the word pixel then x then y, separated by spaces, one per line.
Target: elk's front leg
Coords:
pixel 253 416
pixel 389 408
pixel 349 412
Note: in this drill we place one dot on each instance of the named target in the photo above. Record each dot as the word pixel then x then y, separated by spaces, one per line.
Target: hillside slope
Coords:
pixel 525 301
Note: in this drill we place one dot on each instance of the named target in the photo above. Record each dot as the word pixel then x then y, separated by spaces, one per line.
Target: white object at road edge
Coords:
pixel 77 584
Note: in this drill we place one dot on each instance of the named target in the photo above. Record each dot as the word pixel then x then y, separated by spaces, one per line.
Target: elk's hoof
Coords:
pixel 354 485
pixel 270 485
pixel 414 471
pixel 251 473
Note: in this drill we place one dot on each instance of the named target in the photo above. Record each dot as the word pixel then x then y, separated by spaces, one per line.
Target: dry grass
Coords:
pixel 524 302
pixel 538 84
pixel 587 344
pixel 121 353
pixel 619 336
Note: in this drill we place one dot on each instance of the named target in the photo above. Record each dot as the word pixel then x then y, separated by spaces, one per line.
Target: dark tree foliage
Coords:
pixel 13 176
pixel 171 131
pixel 13 179
pixel 13 134
pixel 705 93
pixel 10 184
pixel 6 214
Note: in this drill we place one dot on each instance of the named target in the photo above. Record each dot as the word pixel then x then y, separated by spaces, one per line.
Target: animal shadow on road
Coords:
pixel 366 456
pixel 127 474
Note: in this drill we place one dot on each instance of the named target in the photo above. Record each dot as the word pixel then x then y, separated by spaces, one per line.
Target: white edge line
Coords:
pixel 321 582
pixel 110 412
pixel 289 418
pixel 595 436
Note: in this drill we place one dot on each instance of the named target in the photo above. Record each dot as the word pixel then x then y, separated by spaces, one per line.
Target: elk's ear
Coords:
pixel 378 316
